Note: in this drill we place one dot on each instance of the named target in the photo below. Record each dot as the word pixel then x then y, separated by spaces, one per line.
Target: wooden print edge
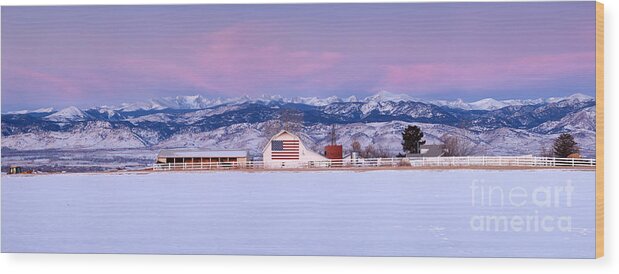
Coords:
pixel 599 130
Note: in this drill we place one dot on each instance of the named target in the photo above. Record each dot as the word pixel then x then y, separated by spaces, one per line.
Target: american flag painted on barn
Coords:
pixel 285 150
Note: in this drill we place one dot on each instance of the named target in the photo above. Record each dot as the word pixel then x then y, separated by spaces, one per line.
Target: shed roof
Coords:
pixel 201 153
pixel 429 151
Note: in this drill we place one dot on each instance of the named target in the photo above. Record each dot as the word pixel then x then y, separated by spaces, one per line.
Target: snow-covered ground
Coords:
pixel 372 213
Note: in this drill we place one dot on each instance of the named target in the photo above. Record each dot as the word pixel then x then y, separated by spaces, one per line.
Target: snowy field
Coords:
pixel 463 213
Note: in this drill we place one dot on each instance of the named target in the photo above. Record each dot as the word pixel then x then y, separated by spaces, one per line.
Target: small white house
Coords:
pixel 286 150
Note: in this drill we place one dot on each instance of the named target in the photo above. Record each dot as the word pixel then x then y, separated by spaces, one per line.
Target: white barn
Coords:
pixel 286 150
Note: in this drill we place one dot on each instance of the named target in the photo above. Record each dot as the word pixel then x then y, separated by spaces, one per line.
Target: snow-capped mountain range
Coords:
pixel 200 102
pixel 494 126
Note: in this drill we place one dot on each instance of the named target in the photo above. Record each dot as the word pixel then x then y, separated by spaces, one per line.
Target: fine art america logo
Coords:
pixel 521 209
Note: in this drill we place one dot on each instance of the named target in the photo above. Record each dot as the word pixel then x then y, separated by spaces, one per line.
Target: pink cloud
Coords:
pixel 439 76
pixel 238 58
pixel 35 80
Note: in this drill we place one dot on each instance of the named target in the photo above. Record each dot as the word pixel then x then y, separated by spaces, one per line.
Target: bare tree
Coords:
pixel 272 127
pixel 545 151
pixel 291 119
pixel 368 152
pixel 371 152
pixel 382 152
pixel 287 119
pixel 457 146
pixel 356 146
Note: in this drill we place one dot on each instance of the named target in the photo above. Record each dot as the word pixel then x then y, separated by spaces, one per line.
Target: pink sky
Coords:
pixel 110 54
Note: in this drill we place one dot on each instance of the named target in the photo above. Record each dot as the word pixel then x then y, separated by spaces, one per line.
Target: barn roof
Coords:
pixel 201 153
pixel 278 134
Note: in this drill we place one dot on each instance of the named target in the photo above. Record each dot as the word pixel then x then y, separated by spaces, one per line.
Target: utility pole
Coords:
pixel 333 138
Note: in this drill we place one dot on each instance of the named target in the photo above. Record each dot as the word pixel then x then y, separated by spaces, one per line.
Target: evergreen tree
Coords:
pixel 564 146
pixel 412 139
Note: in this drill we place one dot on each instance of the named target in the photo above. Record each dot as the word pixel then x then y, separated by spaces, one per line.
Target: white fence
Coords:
pixel 467 161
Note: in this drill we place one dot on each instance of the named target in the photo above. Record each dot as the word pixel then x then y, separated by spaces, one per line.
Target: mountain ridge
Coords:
pixel 520 127
pixel 200 102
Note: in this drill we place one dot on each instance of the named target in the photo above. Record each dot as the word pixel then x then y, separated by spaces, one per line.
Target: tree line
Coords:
pixel 413 138
pixel 563 146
